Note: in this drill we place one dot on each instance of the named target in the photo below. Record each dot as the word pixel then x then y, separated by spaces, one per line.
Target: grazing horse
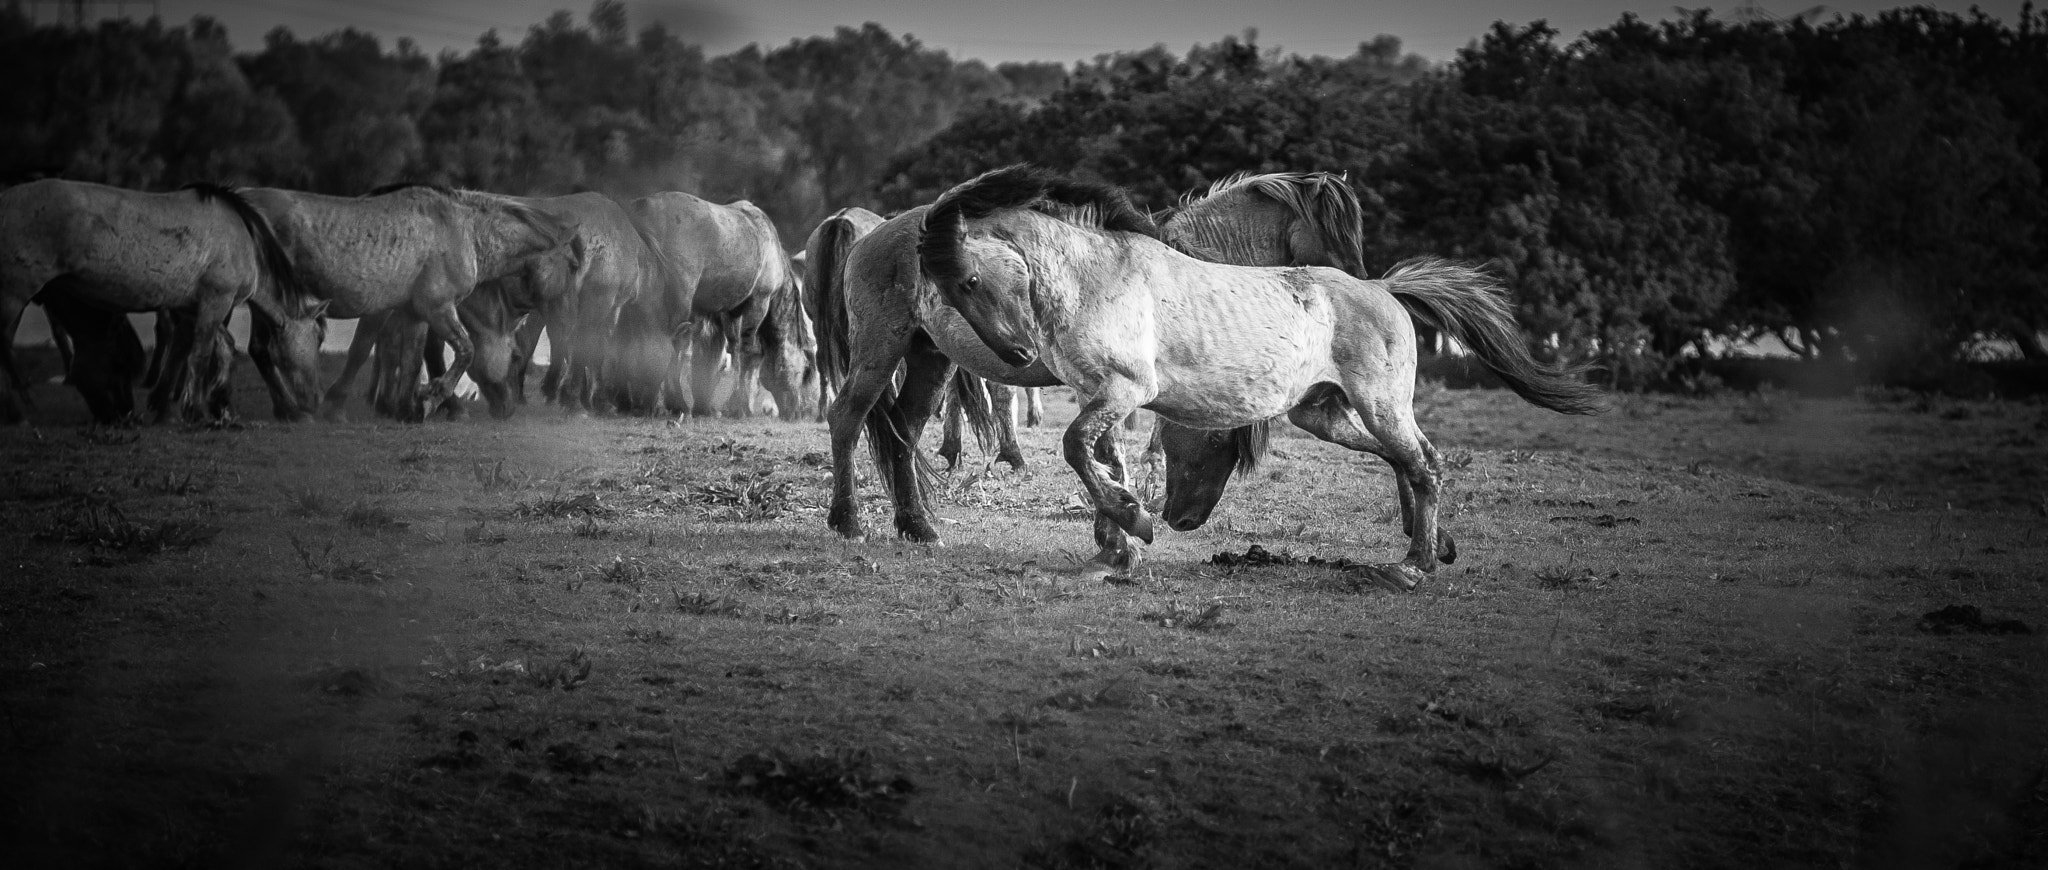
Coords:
pixel 574 293
pixel 203 249
pixel 415 250
pixel 102 355
pixel 1055 273
pixel 728 265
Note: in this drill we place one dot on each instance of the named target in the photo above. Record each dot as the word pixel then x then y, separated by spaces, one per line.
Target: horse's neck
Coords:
pixel 1240 236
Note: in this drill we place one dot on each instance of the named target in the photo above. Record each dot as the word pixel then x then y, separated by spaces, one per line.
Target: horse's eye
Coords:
pixel 972 283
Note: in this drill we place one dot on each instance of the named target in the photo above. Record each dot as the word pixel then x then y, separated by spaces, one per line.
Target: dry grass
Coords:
pixel 1695 634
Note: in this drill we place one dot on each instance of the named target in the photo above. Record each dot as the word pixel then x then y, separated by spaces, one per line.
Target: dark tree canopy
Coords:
pixel 1866 189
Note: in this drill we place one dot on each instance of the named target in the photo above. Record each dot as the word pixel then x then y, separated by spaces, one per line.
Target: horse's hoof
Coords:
pixel 1397 577
pixel 1446 549
pixel 1139 524
pixel 916 529
pixel 1016 460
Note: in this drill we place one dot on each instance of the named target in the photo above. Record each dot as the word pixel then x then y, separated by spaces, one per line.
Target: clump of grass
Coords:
pixel 169 483
pixel 418 455
pixel 491 476
pixel 808 616
pixel 589 527
pixel 1197 618
pixel 116 435
pixel 327 566
pixel 620 571
pixel 558 506
pixel 365 517
pixel 701 604
pixel 756 500
pixel 1100 650
pixel 481 534
pixel 1765 406
pixel 822 782
pixel 307 502
pixel 106 526
pixel 570 672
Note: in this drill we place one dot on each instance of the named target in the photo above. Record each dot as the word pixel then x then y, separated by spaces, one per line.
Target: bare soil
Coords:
pixel 1690 633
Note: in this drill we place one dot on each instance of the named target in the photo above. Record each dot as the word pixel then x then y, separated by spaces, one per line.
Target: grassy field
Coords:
pixel 1691 633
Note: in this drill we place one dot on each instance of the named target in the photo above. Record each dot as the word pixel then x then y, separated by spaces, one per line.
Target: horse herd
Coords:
pixel 1238 305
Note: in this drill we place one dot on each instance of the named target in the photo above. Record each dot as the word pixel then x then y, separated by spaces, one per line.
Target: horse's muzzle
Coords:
pixel 1017 357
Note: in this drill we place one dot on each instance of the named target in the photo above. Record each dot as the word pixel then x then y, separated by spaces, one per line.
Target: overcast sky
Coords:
pixel 1013 30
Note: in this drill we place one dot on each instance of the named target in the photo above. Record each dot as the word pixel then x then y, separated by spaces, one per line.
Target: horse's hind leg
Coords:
pixel 1331 420
pixel 869 378
pixel 925 371
pixel 334 404
pixel 1388 417
pixel 1034 407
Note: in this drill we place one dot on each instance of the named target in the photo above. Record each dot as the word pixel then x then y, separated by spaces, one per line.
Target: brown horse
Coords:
pixel 825 254
pixel 203 249
pixel 729 266
pixel 414 250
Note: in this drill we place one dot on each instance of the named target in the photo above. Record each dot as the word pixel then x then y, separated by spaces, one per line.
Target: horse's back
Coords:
pixel 732 251
pixel 364 254
pixel 129 250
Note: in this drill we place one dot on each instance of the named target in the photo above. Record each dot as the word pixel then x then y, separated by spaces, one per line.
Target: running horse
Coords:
pixel 1066 275
pixel 415 250
pixel 203 249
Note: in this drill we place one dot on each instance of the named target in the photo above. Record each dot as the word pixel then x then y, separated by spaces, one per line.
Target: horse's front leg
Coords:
pixel 1110 495
pixel 1002 408
pixel 446 320
pixel 1115 553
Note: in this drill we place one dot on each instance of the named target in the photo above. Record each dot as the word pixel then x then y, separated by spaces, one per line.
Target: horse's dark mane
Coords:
pixel 1023 186
pixel 291 294
pixel 1042 190
pixel 397 186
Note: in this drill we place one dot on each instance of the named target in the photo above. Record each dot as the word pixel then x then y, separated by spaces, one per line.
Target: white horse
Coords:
pixel 1069 275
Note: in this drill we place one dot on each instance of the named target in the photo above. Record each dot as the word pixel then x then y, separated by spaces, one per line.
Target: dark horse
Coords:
pixel 1065 275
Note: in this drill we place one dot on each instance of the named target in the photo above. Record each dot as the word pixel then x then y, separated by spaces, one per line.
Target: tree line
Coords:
pixel 1865 189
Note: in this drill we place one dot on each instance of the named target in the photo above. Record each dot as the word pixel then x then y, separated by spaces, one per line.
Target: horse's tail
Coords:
pixel 975 407
pixel 1470 306
pixel 889 439
pixel 291 293
pixel 827 291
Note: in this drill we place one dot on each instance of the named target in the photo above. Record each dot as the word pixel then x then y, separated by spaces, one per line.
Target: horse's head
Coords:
pixel 789 364
pixel 989 283
pixel 1199 463
pixel 288 353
